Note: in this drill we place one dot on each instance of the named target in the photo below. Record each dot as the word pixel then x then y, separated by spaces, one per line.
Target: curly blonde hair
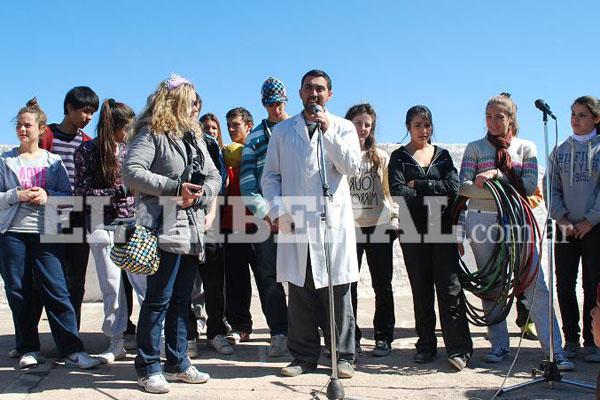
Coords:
pixel 170 111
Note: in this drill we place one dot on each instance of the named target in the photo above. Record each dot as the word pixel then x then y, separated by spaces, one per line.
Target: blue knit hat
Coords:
pixel 273 91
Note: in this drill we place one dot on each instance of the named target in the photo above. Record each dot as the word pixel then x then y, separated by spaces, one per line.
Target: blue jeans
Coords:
pixel 167 299
pixel 25 261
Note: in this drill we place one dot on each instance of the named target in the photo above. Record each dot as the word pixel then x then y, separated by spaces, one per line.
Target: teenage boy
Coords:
pixel 274 99
pixel 63 139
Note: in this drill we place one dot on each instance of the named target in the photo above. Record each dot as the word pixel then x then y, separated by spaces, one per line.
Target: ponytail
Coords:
pixel 113 116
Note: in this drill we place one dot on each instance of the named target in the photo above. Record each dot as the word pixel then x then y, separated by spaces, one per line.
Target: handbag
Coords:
pixel 140 253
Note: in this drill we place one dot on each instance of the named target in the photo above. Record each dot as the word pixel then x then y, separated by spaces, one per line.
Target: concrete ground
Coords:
pixel 250 374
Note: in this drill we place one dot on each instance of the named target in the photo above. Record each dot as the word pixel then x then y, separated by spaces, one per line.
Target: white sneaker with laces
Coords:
pixel 155 383
pixel 278 346
pixel 30 360
pixel 190 375
pixel 81 360
pixel 221 345
pixel 115 351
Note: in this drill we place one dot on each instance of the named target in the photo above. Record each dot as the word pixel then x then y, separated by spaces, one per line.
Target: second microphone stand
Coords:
pixel 549 370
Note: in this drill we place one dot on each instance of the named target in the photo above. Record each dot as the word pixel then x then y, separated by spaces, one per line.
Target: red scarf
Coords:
pixel 504 161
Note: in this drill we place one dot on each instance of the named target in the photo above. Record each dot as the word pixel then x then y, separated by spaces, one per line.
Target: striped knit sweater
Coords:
pixel 253 161
pixel 480 156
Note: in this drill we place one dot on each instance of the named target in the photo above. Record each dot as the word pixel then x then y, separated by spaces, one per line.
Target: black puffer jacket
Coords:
pixel 439 179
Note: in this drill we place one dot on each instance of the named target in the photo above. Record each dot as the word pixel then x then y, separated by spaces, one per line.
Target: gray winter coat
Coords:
pixel 152 169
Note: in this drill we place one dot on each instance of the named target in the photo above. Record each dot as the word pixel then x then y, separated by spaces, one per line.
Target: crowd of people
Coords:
pixel 258 204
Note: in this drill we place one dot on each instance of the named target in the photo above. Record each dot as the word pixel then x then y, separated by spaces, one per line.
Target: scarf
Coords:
pixel 504 161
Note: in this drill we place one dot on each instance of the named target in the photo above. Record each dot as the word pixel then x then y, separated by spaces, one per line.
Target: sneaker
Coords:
pixel 14 353
pixel 221 345
pixel 115 351
pixel 571 349
pixel 459 361
pixel 496 356
pixel 297 367
pixel 130 342
pixel 30 360
pixel 382 348
pixel 190 375
pixel 528 331
pixel 155 383
pixel 278 346
pixel 592 354
pixel 235 337
pixel 423 357
pixel 345 369
pixel 192 349
pixel 563 363
pixel 81 360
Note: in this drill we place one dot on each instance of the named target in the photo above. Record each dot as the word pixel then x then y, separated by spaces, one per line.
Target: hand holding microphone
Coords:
pixel 320 117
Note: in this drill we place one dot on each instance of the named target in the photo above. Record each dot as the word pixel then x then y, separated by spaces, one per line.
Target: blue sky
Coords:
pixel 450 56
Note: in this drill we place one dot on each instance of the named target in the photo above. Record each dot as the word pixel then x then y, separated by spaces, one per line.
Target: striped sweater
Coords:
pixel 480 156
pixel 253 161
pixel 64 145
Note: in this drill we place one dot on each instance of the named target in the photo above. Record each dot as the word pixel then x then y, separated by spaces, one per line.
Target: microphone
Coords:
pixel 544 107
pixel 316 108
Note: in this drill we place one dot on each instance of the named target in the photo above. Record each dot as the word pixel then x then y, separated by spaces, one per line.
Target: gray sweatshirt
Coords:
pixel 574 185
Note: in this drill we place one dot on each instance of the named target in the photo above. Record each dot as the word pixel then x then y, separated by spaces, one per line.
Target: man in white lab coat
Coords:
pixel 292 186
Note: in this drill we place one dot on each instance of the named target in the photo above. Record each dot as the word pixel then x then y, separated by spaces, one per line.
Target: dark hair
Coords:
pixel 81 97
pixel 32 106
pixel 113 116
pixel 370 144
pixel 316 73
pixel 419 111
pixel 593 104
pixel 213 117
pixel 242 112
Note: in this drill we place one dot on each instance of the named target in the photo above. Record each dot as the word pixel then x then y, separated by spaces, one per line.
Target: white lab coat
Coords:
pixel 291 178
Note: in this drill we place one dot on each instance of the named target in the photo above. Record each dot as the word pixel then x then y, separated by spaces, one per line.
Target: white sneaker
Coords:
pixel 30 360
pixel 81 360
pixel 190 375
pixel 115 351
pixel 221 345
pixel 192 349
pixel 14 353
pixel 278 346
pixel 155 383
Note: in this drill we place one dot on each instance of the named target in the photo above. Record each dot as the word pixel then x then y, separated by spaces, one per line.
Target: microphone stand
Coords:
pixel 335 389
pixel 548 369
